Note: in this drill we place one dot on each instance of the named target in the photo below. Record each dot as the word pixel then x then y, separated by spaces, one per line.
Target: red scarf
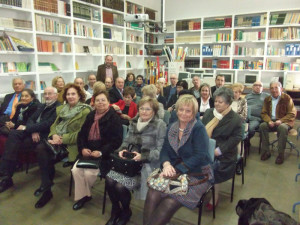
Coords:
pixel 95 131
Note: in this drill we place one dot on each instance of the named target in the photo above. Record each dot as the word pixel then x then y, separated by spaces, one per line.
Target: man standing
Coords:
pixel 255 101
pixel 107 70
pixel 279 115
pixel 8 107
pixel 89 87
pixel 220 81
pixel 116 92
pixel 108 83
pixel 196 82
pixel 79 81
pixel 36 129
pixel 171 89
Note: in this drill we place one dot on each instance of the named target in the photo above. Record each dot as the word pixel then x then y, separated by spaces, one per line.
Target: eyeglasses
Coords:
pixel 257 85
pixel 172 78
pixel 145 109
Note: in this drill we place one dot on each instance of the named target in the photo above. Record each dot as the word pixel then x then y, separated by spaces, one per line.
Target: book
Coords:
pixel 106 33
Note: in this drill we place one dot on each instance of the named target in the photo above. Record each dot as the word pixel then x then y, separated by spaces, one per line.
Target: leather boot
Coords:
pixel 115 214
pixel 280 158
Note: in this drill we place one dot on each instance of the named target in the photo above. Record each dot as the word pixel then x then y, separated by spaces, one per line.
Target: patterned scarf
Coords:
pixel 173 134
pixel 95 131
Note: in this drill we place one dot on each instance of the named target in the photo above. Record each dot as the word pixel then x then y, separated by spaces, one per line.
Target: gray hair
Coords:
pixel 225 93
pixel 149 90
pixel 53 88
pixel 18 78
pixel 276 82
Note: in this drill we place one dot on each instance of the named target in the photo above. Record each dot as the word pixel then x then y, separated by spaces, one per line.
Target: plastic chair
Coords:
pixel 212 146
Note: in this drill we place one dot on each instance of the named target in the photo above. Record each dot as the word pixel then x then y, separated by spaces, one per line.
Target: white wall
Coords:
pixel 182 9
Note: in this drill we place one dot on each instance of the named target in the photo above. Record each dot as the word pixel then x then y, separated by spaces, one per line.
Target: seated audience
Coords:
pixel 181 85
pixel 205 101
pixel 160 94
pixel 108 83
pixel 91 81
pixel 99 136
pixel 171 89
pixel 220 82
pixel 130 80
pixel 116 92
pixel 37 128
pixel 126 108
pixel 139 84
pixel 162 81
pixel 196 88
pixel 59 83
pixel 150 90
pixel 98 86
pixel 278 114
pixel 79 81
pixel 181 153
pixel 225 126
pixel 147 133
pixel 239 105
pixel 64 131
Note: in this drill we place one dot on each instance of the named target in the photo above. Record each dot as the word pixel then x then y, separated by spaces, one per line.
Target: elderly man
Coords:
pixel 91 80
pixel 171 89
pixel 279 115
pixel 79 81
pixel 220 81
pixel 36 129
pixel 8 107
pixel 107 70
pixel 108 83
pixel 116 92
pixel 196 82
pixel 255 101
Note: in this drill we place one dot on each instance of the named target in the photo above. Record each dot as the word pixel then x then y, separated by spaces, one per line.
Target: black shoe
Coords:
pixel 40 190
pixel 46 197
pixel 124 217
pixel 80 203
pixel 68 164
pixel 113 219
pixel 5 184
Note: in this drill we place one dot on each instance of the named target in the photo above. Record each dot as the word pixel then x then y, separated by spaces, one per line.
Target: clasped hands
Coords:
pixel 89 153
pixel 56 140
pixel 137 156
pixel 276 123
pixel 168 170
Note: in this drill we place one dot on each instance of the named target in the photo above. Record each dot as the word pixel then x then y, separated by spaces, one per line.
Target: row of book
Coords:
pixel 15 23
pixel 94 2
pixel 87 49
pixel 53 6
pixel 251 21
pixel 247 64
pixel 215 63
pixel 14 67
pixel 187 39
pixel 113 18
pixel 193 52
pixel 10 43
pixel 132 8
pixel 151 38
pixel 17 3
pixel 285 18
pixel 47 67
pixel 86 12
pixel 275 50
pixel 191 63
pixel 31 84
pixel 109 49
pixel 218 37
pixel 44 24
pixel 289 33
pixel 85 30
pixel 115 4
pixel 134 38
pixel 109 34
pixel 169 40
pixel 248 51
pixel 216 50
pixel 293 66
pixel 52 46
pixel 188 25
pixel 149 50
pixel 217 23
pixel 131 50
pixel 240 35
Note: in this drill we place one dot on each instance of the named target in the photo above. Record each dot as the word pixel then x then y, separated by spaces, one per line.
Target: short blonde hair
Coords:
pixel 149 90
pixel 98 86
pixel 54 80
pixel 152 102
pixel 187 100
pixel 238 86
pixel 161 88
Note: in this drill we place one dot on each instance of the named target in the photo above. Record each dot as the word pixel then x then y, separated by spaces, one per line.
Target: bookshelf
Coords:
pixel 70 38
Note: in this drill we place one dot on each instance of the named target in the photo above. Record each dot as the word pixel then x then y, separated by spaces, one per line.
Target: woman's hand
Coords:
pixel 117 108
pixel 168 170
pixel 137 156
pixel 121 153
pixel 96 154
pixel 9 124
pixel 170 109
pixel 126 117
pixel 86 152
pixel 56 139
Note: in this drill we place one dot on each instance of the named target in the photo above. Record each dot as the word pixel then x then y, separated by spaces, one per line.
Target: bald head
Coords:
pixel 120 83
pixel 257 87
pixel 79 81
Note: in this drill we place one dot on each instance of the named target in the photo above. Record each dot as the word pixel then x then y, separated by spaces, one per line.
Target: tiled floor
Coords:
pixel 262 179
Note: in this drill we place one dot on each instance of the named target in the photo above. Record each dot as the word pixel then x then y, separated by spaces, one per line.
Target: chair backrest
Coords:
pixel 125 130
pixel 211 150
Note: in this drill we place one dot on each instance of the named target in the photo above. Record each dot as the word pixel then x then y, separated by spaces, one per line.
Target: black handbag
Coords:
pixel 88 163
pixel 59 152
pixel 127 166
pixel 3 129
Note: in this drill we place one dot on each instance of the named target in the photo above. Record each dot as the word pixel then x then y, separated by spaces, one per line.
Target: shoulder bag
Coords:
pixel 59 152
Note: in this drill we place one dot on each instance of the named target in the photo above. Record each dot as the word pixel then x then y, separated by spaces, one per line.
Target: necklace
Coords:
pixel 181 129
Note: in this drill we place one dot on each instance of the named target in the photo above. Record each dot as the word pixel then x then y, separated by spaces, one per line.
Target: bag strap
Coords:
pixel 206 177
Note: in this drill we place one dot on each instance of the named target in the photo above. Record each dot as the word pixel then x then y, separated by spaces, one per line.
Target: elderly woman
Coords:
pixel 59 83
pixel 180 85
pixel 126 108
pixel 160 94
pixel 205 101
pixel 150 91
pixel 225 126
pixel 64 131
pixel 130 80
pixel 239 105
pixel 185 150
pixel 146 131
pixel 99 136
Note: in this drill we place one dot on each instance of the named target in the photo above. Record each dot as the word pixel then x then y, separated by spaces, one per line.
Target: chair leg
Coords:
pixel 71 185
pixel 244 151
pixel 259 149
pixel 200 214
pixel 213 196
pixel 232 187
pixel 104 200
pixel 242 167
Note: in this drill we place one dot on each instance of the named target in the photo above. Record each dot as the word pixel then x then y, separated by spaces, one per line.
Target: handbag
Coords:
pixel 88 163
pixel 59 152
pixel 126 166
pixel 178 185
pixel 3 129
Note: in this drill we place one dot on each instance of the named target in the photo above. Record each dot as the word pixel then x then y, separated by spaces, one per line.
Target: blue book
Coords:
pixel 287 49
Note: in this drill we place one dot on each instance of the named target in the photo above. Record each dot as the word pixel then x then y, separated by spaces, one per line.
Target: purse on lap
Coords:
pixel 88 163
pixel 59 152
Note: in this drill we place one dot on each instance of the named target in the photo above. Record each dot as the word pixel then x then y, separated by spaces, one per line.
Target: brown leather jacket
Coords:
pixel 285 110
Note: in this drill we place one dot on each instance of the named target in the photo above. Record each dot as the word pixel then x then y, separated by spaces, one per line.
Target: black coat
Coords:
pixel 210 102
pixel 47 118
pixel 111 133
pixel 5 102
pixel 167 92
pixel 212 90
pixel 173 100
pixel 162 100
pixel 114 95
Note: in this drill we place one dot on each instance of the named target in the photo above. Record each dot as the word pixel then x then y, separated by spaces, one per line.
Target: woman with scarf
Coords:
pixel 225 126
pixel 99 136
pixel 185 151
pixel 146 133
pixel 64 131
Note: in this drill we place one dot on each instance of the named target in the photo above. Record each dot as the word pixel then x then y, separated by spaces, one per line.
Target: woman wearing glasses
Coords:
pixel 146 133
